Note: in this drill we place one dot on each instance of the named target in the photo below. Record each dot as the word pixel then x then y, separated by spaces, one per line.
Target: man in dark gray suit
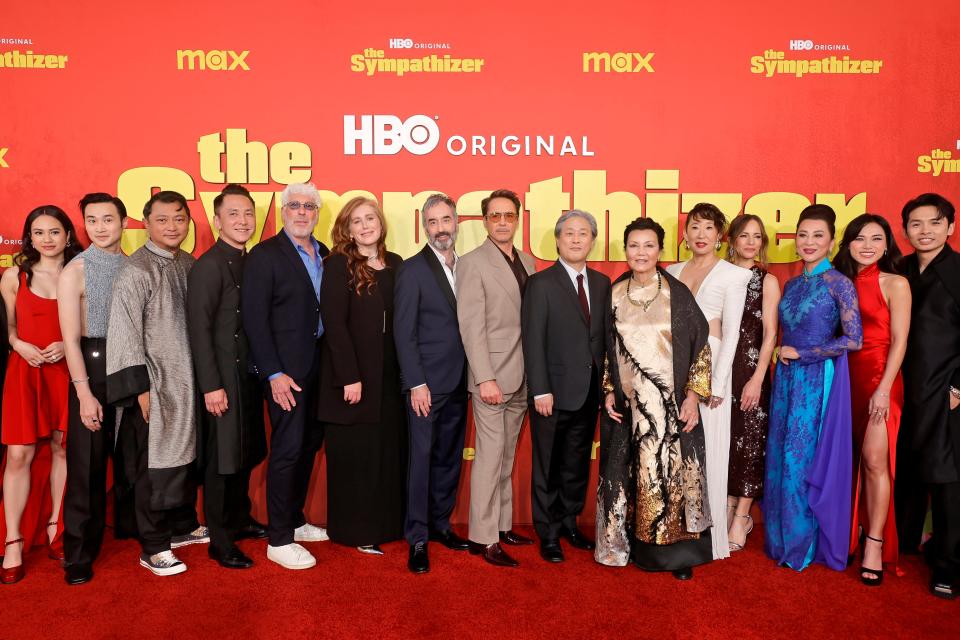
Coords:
pixel 564 320
pixel 433 365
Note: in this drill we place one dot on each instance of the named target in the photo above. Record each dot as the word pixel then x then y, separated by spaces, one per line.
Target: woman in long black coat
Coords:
pixel 360 399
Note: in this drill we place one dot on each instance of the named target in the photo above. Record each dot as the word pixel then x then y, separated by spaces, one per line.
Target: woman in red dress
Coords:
pixel 35 391
pixel 869 256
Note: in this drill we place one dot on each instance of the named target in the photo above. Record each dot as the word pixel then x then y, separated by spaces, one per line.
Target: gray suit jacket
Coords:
pixel 488 309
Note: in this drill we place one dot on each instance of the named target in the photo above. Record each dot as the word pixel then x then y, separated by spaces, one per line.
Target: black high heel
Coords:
pixel 865 571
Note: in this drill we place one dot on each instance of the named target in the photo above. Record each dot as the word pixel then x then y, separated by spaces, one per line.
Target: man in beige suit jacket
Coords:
pixel 490 283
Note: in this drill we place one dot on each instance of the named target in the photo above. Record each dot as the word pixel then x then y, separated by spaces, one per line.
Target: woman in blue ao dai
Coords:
pixel 807 488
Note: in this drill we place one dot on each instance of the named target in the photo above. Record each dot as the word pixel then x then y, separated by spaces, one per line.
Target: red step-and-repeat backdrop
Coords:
pixel 622 109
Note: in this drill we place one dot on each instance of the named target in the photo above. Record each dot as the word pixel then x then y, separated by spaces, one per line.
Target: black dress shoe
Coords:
pixel 494 554
pixel 76 574
pixel 513 538
pixel 419 561
pixel 577 540
pixel 550 551
pixel 253 530
pixel 683 574
pixel 450 540
pixel 943 590
pixel 232 558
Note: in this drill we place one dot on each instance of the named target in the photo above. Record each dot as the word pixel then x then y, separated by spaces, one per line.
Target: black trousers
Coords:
pixel 434 462
pixel 296 437
pixel 226 497
pixel 562 444
pixel 156 526
pixel 85 499
pixel 911 496
pixel 943 549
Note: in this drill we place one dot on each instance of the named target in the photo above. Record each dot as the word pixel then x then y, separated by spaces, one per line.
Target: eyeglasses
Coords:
pixel 294 205
pixel 496 216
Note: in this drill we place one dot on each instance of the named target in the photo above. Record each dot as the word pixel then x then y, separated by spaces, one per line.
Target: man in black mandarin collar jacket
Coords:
pixel 231 430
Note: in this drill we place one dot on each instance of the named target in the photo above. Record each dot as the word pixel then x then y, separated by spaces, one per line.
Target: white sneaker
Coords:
pixel 162 564
pixel 310 533
pixel 291 556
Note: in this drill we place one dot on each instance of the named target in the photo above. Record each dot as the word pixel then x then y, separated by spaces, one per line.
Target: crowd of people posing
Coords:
pixel 161 362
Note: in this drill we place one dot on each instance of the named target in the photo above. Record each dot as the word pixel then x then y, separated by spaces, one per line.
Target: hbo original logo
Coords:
pixel 388 135
pixel 801 45
pixel 401 43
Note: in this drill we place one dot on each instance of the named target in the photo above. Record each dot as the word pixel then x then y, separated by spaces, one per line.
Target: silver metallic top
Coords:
pixel 99 270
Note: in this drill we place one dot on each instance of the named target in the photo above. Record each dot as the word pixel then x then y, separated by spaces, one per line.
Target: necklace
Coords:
pixel 645 304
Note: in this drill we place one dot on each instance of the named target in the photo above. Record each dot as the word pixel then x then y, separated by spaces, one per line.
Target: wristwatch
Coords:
pixel 955 392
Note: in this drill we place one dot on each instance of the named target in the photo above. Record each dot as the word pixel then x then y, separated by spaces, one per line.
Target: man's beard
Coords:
pixel 443 244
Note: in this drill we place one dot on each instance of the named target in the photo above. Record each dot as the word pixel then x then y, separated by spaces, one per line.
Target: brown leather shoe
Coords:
pixel 494 554
pixel 513 538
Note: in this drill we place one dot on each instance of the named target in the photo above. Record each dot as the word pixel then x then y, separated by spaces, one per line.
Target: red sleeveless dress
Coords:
pixel 866 370
pixel 34 398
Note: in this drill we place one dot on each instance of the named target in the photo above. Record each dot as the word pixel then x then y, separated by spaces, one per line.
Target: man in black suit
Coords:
pixel 281 314
pixel 564 319
pixel 231 430
pixel 432 364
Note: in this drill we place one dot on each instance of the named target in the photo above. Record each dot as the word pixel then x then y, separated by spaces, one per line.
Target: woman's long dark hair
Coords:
pixel 889 262
pixel 29 255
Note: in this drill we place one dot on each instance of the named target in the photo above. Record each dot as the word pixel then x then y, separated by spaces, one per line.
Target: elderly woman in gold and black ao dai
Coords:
pixel 652 496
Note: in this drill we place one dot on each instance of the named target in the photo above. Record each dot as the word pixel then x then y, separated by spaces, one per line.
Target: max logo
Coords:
pixel 215 60
pixel 620 62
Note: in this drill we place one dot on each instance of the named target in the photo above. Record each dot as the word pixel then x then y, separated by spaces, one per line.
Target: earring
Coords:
pixel 69 242
pixel 884 252
pixel 718 245
pixel 686 243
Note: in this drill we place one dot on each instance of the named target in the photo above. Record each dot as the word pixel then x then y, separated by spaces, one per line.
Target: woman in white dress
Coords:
pixel 720 289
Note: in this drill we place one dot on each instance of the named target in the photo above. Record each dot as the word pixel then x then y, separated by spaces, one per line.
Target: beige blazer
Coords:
pixel 488 308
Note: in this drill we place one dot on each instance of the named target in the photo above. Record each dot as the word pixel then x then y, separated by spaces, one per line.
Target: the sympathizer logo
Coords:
pixel 619 62
pixel 213 60
pixel 30 60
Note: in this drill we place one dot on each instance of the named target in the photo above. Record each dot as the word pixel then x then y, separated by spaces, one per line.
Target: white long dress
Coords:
pixel 722 294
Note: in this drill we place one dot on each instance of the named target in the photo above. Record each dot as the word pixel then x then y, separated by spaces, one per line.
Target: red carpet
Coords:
pixel 349 595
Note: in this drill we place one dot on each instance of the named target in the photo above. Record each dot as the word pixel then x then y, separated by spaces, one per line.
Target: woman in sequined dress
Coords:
pixel 806 487
pixel 747 248
pixel 652 502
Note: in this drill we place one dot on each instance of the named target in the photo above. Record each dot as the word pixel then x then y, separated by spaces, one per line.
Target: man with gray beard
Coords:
pixel 433 368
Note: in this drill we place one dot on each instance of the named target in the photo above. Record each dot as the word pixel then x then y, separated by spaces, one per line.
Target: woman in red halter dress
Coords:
pixel 36 386
pixel 869 252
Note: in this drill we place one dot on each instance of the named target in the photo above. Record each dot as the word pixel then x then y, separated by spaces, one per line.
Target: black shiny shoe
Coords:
pixel 943 590
pixel 232 558
pixel 513 538
pixel 419 561
pixel 253 530
pixel 683 574
pixel 450 540
pixel 577 540
pixel 550 551
pixel 75 574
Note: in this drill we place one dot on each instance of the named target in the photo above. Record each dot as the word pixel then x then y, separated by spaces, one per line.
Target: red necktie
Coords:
pixel 584 305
